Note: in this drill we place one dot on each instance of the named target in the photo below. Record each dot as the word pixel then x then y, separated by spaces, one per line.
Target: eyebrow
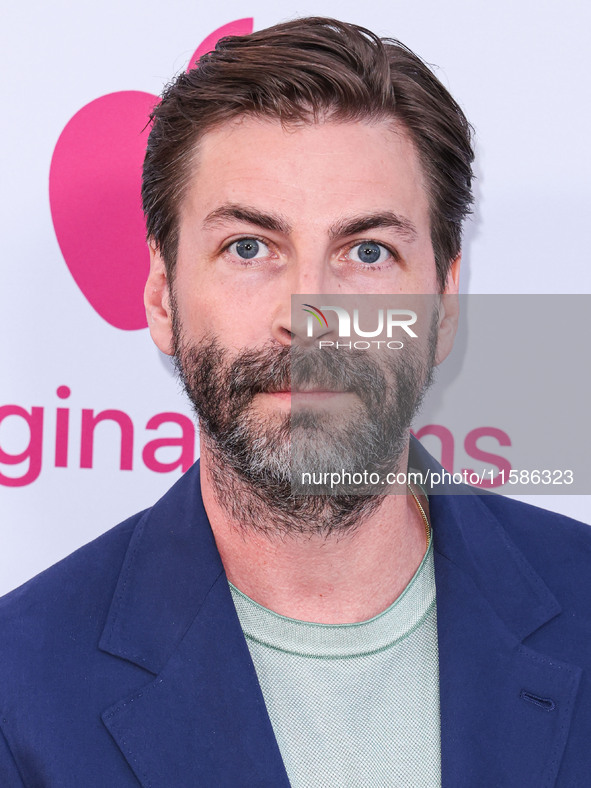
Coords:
pixel 387 220
pixel 345 227
pixel 243 213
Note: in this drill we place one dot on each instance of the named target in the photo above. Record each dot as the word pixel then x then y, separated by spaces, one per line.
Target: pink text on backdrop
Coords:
pixel 38 425
pixel 42 426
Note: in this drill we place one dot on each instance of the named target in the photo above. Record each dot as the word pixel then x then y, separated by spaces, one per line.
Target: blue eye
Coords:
pixel 369 252
pixel 248 248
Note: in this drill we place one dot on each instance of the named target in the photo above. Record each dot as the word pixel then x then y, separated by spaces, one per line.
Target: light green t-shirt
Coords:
pixel 353 705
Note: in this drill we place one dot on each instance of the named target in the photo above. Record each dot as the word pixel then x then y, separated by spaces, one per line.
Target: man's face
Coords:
pixel 331 208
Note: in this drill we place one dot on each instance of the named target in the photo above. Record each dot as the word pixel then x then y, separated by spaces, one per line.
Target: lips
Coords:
pixel 306 391
pixel 292 371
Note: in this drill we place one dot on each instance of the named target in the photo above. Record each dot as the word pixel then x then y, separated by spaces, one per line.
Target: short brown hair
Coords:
pixel 304 71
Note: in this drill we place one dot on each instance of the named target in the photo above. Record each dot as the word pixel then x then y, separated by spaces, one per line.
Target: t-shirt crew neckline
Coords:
pixel 310 639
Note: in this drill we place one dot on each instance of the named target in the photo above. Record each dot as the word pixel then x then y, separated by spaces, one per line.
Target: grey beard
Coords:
pixel 257 462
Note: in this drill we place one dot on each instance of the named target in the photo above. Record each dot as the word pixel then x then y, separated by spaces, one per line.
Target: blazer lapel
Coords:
pixel 505 708
pixel 202 720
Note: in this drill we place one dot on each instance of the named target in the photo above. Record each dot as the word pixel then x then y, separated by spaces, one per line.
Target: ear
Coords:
pixel 157 302
pixel 449 311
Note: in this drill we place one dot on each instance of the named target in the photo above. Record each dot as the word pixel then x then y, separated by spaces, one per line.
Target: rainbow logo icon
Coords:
pixel 315 313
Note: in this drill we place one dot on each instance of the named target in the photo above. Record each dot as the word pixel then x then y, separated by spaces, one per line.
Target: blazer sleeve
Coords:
pixel 9 774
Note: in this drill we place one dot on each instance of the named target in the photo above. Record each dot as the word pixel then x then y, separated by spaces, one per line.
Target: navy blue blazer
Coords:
pixel 125 664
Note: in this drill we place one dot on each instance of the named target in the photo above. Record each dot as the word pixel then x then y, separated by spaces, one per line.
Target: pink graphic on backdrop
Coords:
pixel 94 194
pixel 239 27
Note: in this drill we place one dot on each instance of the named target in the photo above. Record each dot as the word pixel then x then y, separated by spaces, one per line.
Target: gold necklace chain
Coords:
pixel 423 514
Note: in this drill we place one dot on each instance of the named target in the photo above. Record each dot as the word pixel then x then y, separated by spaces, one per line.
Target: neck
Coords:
pixel 342 576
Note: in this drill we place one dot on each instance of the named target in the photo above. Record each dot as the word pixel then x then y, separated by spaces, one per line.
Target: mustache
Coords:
pixel 272 369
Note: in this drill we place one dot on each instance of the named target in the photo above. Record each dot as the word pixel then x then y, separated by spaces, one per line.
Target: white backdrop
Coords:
pixel 521 71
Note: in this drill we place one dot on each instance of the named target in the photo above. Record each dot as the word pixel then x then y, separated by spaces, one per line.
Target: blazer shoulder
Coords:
pixel 75 593
pixel 558 547
pixel 518 516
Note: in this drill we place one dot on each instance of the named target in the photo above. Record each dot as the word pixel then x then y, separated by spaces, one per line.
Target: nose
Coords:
pixel 299 318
